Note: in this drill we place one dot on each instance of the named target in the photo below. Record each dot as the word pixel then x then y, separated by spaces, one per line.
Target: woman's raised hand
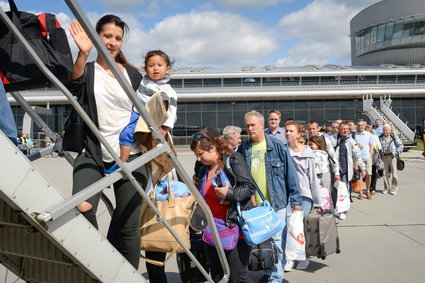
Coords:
pixel 80 37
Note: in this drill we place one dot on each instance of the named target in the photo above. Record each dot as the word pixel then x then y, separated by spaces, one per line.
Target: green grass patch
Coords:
pixel 419 145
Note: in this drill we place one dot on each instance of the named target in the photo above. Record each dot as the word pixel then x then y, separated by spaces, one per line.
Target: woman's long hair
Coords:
pixel 319 141
pixel 206 141
pixel 113 19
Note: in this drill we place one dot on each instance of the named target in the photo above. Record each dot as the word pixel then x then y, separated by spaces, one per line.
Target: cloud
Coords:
pixel 320 31
pixel 122 4
pixel 4 6
pixel 211 38
pixel 247 3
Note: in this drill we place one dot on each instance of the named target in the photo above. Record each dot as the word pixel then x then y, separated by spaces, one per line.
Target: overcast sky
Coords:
pixel 225 33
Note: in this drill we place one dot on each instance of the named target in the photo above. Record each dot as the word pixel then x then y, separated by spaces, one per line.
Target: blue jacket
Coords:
pixel 282 178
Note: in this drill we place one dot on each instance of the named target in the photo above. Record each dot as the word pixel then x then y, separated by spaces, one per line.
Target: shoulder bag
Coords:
pixel 229 236
pixel 400 163
pixel 259 223
pixel 47 38
pixel 263 256
pixel 74 130
pixel 155 236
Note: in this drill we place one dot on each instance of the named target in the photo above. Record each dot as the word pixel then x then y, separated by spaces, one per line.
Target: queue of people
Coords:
pixel 289 164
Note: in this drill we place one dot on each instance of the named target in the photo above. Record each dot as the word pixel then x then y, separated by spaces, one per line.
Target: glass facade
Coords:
pixel 387 35
pixel 295 81
pixel 193 116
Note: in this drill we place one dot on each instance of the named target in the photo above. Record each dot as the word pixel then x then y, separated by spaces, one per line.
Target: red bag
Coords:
pixel 44 34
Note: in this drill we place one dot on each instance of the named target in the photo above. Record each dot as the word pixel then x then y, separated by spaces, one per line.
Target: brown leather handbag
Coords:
pixel 358 186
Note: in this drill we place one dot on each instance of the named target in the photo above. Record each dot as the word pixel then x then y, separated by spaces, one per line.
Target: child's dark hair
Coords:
pixel 112 19
pixel 160 53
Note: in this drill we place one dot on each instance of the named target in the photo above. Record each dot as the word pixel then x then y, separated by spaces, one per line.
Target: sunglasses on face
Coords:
pixel 197 137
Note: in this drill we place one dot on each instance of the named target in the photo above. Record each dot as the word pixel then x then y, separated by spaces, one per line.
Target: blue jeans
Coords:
pixel 307 205
pixel 276 274
pixel 7 122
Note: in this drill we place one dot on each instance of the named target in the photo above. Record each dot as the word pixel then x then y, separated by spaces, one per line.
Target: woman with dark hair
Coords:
pixel 215 156
pixel 109 107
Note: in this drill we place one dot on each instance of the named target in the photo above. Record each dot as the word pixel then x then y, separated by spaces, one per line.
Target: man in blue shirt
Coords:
pixel 274 129
pixel 377 128
pixel 364 141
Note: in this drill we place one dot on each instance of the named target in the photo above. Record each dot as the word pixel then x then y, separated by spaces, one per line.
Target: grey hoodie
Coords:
pixel 309 184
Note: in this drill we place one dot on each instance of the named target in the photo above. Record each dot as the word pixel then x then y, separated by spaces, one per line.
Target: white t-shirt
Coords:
pixel 113 109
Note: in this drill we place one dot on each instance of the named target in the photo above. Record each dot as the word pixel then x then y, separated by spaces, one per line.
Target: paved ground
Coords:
pixel 383 239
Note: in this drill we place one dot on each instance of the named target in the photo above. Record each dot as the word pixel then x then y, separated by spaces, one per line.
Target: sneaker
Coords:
pixel 343 216
pixel 303 264
pixel 394 193
pixel 289 265
pixel 264 279
pixel 385 192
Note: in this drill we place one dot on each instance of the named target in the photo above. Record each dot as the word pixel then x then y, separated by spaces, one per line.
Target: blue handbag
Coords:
pixel 259 223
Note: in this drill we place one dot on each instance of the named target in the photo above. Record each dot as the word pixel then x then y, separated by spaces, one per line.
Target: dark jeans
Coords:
pixel 374 178
pixel 156 273
pixel 126 216
pixel 237 258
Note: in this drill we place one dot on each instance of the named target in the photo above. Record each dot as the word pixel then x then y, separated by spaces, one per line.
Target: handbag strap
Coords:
pixel 238 205
pixel 12 6
pixel 229 167
pixel 15 12
pixel 160 263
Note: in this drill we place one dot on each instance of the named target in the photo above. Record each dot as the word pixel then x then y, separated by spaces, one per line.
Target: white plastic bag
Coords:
pixel 343 197
pixel 324 195
pixel 295 240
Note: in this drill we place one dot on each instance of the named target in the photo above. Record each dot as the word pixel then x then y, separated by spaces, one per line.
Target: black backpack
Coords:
pixel 44 34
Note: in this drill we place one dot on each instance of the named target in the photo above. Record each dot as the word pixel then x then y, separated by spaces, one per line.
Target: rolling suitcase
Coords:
pixel 321 234
pixel 187 269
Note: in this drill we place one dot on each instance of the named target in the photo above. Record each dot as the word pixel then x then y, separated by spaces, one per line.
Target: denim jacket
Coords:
pixel 282 178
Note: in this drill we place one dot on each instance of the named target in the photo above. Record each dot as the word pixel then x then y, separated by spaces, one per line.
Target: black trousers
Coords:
pixel 237 258
pixel 374 178
pixel 125 224
pixel 156 273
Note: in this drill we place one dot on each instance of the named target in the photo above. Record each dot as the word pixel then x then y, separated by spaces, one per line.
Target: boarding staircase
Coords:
pixel 385 114
pixel 43 238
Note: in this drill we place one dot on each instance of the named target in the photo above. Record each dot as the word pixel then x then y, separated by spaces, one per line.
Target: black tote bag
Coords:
pixel 44 34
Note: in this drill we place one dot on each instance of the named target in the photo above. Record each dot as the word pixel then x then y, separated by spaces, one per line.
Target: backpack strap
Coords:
pixel 134 75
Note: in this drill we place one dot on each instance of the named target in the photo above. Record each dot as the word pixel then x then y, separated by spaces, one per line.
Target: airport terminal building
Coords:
pixel 386 62
pixel 389 32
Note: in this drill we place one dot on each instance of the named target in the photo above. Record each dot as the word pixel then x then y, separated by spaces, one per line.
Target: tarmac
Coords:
pixel 382 240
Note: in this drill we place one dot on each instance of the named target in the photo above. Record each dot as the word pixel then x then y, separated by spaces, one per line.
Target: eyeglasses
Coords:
pixel 197 137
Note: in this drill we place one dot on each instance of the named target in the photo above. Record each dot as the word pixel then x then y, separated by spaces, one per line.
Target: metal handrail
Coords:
pixel 101 48
pixel 125 168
